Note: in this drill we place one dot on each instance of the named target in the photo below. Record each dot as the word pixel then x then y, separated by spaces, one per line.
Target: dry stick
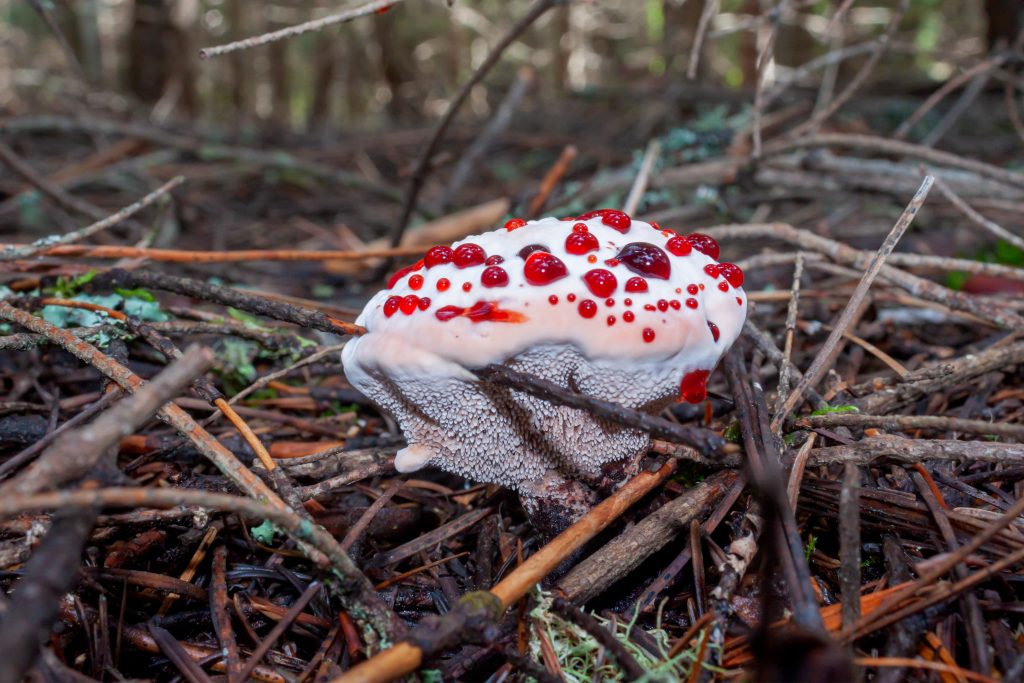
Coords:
pixel 999 231
pixel 220 616
pixel 959 108
pixel 636 192
pixel 551 180
pixel 785 371
pixel 406 656
pixel 11 252
pixel 423 164
pixel 849 544
pixel 825 357
pixel 351 582
pixel 76 452
pixel 763 59
pixel 904 423
pixel 188 256
pixel 922 261
pixel 279 628
pixel 292 31
pixel 710 7
pixel 364 520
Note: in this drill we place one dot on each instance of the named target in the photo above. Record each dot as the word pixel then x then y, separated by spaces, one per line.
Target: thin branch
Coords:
pixel 636 193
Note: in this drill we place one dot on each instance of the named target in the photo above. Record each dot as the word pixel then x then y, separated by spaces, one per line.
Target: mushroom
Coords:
pixel 605 305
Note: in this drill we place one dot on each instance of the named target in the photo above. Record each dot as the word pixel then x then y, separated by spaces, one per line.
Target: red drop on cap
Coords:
pixel 627 302
pixel 443 284
pixel 391 305
pixel 611 320
pixel 629 316
pixel 646 259
pixel 609 302
pixel 649 307
pixel 494 260
pixel 466 286
pixel 679 246
pixel 714 330
pixel 617 220
pixel 553 299
pixel 691 303
pixel 447 313
pixel 692 289
pixel 694 387
pixel 416 282
pixel 402 273
pixel 494 276
pixel 675 305
pixel 739 301
pixel 570 298
pixel 587 308
pixel 636 284
pixel 579 243
pixel 542 268
pixel 514 223
pixel 662 305
pixel 525 252
pixel 703 244
pixel 580 227
pixel 481 311
pixel 724 286
pixel 424 303
pixel 648 335
pixel 467 255
pixel 600 282
pixel 437 256
pixel 591 214
pixel 712 270
pixel 732 273
pixel 409 304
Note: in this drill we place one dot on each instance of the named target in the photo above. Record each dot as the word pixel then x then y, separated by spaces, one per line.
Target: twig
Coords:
pixel 904 423
pixel 280 627
pixel 357 529
pixel 636 192
pixel 900 449
pixel 46 244
pixel 999 231
pixel 292 31
pixel 551 180
pixel 189 256
pixel 764 59
pixel 786 368
pixel 825 356
pixel 221 616
pixel 850 544
pixel 710 8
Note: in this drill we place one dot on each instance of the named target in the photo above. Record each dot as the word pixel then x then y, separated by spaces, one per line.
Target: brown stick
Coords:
pixel 187 256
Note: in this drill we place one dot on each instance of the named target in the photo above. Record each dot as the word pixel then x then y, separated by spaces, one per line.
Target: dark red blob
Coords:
pixel 579 243
pixel 553 299
pixel 494 276
pixel 609 302
pixel 617 220
pixel 525 252
pixel 662 305
pixel 655 225
pixel 611 263
pixel 588 309
pixel 409 304
pixel 391 305
pixel 732 273
pixel 636 284
pixel 611 320
pixel 649 307
pixel 692 290
pixel 600 282
pixel 675 305
pixel 694 387
pixel 724 286
pixel 443 284
pixel 704 244
pixel 416 282
pixel 627 302
pixel 514 223
pixel 691 303
pixel 714 330
pixel 591 214
pixel 679 246
pixel 570 297
pixel 437 256
pixel 648 335
pixel 628 316
pixel 494 260
pixel 466 286
pixel 739 301
pixel 447 313
pixel 481 311
pixel 467 255
pixel 646 259
pixel 712 270
pixel 424 303
pixel 580 227
pixel 543 268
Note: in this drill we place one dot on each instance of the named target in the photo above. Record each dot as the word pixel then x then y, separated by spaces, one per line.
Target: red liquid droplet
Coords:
pixel 494 260
pixel 529 249
pixel 714 330
pixel 674 304
pixel 437 256
pixel 391 305
pixel 679 246
pixel 467 255
pixel 611 320
pixel 636 284
pixel 409 304
pixel 447 313
pixel 600 282
pixel 627 302
pixel 514 223
pixel 578 243
pixel 712 270
pixel 591 259
pixel 494 276
pixel 691 289
pixel 678 290
pixel 466 286
pixel 580 227
pixel 481 311
pixel 739 301
pixel 732 273
pixel 609 302
pixel 617 220
pixel 571 298
pixel 655 225
pixel 644 258
pixel 443 284
pixel 424 303
pixel 400 274
pixel 648 335
pixel 628 316
pixel 591 214
pixel 691 303
pixel 724 286
pixel 704 244
pixel 649 307
pixel 662 305
pixel 543 268
pixel 416 282
pixel 587 308
pixel 693 388
pixel 553 299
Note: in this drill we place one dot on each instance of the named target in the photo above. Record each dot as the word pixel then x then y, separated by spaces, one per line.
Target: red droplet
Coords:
pixel 649 307
pixel 424 303
pixel 416 282
pixel 600 282
pixel 732 273
pixel 679 246
pixel 514 223
pixel 553 299
pixel 443 284
pixel 648 335
pixel 703 244
pixel 467 255
pixel 617 220
pixel 391 305
pixel 447 313
pixel 609 302
pixel 655 225
pixel 530 248
pixel 466 286
pixel 587 308
pixel 437 256
pixel 691 303
pixel 494 276
pixel 543 268
pixel 578 243
pixel 739 301
pixel 627 302
pixel 400 274
pixel 662 305
pixel 611 320
pixel 591 259
pixel 570 297
pixel 679 290
pixel 591 214
pixel 636 284
pixel 643 258
pixel 384 10
pixel 712 270
pixel 724 286
pixel 693 388
pixel 714 330
pixel 409 304
pixel 580 227
pixel 494 260
pixel 674 304
pixel 691 289
pixel 628 316
pixel 481 311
